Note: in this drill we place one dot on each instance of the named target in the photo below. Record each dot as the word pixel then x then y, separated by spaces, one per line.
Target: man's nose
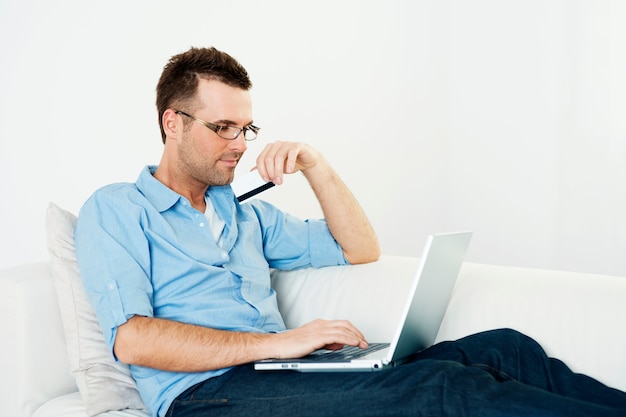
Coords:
pixel 239 144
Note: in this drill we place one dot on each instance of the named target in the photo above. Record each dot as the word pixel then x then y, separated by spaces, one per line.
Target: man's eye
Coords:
pixel 229 131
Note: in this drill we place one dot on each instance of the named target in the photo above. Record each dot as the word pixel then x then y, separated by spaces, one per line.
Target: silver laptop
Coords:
pixel 420 321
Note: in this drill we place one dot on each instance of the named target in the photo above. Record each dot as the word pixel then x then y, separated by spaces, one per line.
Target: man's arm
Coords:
pixel 180 347
pixel 175 346
pixel 345 218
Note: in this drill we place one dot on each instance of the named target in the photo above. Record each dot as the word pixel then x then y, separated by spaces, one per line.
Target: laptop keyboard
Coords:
pixel 348 353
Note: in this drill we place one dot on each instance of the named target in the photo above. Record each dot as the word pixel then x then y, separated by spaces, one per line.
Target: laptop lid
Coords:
pixel 430 293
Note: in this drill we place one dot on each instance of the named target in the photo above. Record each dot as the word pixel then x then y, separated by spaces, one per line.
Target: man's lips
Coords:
pixel 230 161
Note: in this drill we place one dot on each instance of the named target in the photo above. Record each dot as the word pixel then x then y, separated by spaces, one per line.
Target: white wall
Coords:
pixel 503 117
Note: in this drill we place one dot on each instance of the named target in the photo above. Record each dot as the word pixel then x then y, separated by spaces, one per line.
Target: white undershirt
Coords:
pixel 215 222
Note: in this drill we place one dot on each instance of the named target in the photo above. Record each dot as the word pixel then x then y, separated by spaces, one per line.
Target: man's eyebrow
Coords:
pixel 231 123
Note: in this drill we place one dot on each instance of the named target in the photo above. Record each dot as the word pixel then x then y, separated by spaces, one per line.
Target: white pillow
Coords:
pixel 105 384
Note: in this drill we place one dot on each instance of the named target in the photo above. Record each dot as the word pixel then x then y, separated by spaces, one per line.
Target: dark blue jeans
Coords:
pixel 495 373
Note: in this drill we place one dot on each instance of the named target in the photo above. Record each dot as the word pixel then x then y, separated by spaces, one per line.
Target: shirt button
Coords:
pixel 201 224
pixel 224 255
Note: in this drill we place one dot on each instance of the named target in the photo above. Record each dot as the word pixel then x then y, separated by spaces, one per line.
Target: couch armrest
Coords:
pixel 34 359
pixel 576 317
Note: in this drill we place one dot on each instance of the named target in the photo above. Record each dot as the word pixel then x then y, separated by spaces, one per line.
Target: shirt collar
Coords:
pixel 163 198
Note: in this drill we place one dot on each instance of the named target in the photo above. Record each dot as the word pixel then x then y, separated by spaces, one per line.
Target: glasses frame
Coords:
pixel 218 128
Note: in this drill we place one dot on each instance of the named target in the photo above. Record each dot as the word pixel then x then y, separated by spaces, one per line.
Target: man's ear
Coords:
pixel 172 124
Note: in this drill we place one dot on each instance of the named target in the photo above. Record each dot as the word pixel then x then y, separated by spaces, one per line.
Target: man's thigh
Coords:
pixel 478 375
pixel 430 387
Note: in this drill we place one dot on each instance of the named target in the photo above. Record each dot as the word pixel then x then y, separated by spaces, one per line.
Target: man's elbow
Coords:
pixel 366 254
pixel 124 348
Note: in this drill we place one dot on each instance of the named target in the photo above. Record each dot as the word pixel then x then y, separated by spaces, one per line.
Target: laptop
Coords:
pixel 423 313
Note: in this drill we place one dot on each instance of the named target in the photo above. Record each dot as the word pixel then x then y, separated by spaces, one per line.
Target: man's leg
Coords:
pixel 441 381
pixel 508 354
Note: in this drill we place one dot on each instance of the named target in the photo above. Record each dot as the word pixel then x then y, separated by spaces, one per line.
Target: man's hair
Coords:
pixel 179 80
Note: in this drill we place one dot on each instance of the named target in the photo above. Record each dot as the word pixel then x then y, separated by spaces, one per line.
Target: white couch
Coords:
pixel 576 317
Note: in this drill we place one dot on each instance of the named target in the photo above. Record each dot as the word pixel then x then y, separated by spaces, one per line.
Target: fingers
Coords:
pixel 274 161
pixel 318 334
pixel 336 334
pixel 334 346
pixel 353 333
pixel 281 158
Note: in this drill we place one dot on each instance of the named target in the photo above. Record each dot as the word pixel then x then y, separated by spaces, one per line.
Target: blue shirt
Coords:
pixel 144 250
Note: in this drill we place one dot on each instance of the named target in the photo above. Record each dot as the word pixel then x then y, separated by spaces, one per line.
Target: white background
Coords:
pixel 507 118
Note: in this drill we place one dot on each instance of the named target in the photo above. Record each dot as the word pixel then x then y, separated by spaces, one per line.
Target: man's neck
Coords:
pixel 195 193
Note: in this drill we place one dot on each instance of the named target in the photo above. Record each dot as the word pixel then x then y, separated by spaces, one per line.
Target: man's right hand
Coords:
pixel 318 334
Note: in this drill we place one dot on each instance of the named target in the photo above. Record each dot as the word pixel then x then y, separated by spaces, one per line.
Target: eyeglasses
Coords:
pixel 227 132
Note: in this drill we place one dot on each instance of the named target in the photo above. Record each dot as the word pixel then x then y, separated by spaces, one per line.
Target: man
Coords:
pixel 178 272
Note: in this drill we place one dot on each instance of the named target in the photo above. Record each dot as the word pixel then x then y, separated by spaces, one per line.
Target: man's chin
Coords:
pixel 222 180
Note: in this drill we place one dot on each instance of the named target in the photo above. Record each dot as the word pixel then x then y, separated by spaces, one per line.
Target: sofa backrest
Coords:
pixel 31 327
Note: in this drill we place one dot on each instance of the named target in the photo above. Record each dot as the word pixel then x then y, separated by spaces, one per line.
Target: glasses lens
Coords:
pixel 232 133
pixel 228 132
pixel 249 134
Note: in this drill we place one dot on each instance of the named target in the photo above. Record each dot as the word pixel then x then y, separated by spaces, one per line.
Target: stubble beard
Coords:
pixel 205 170
pixel 211 173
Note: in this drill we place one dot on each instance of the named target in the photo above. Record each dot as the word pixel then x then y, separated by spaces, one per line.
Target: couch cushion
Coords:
pixel 372 296
pixel 104 383
pixel 72 405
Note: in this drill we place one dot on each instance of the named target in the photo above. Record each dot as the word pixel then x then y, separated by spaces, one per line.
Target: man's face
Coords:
pixel 202 154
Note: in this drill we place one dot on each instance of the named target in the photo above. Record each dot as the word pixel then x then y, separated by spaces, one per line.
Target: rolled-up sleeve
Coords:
pixel 113 258
pixel 292 243
pixel 324 249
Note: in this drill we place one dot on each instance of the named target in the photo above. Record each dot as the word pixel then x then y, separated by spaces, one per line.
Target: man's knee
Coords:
pixel 513 341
